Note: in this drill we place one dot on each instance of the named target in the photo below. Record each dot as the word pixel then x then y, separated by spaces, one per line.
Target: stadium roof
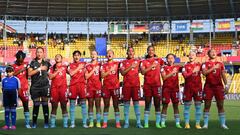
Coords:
pixel 121 9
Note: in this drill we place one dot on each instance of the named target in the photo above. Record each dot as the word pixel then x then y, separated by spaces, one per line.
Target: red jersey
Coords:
pixel 79 76
pixel 93 82
pixel 131 79
pixel 152 77
pixel 214 78
pixel 111 81
pixel 172 82
pixel 60 79
pixel 192 80
pixel 23 75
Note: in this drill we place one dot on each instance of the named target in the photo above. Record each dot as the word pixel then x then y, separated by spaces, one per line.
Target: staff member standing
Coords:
pixel 39 89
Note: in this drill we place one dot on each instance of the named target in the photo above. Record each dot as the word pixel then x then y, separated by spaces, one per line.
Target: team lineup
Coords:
pixel 93 81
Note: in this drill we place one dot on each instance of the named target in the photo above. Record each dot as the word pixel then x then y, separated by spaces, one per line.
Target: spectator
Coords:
pixel 200 50
pixel 32 45
pixel 36 39
pixel 184 54
pixel 177 48
pixel 84 53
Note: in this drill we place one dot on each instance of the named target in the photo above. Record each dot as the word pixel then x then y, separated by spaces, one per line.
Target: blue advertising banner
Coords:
pixel 182 26
pixel 101 46
pixel 159 27
pixel 155 27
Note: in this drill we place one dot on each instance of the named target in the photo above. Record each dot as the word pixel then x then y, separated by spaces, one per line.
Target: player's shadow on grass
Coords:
pixel 213 124
pixel 214 129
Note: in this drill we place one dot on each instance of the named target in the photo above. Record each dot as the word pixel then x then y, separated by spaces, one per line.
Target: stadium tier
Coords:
pixel 118 44
pixel 235 85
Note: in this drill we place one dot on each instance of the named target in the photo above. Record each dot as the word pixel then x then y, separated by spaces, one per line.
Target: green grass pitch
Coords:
pixel 232 115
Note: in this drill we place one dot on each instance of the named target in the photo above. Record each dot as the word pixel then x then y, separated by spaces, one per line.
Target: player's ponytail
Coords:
pixel 54 67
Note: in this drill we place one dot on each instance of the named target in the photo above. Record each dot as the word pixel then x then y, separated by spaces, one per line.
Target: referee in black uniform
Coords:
pixel 39 90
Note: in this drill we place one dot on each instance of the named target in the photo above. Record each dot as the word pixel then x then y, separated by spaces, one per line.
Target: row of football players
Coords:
pixel 86 84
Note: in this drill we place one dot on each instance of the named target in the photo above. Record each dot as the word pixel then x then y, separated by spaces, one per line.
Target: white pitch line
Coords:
pixel 18 108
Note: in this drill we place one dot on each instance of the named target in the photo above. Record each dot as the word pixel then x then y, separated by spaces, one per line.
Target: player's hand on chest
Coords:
pixel 112 68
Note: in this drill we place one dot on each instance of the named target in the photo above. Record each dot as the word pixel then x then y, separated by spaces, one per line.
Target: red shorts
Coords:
pixel 168 95
pixel 152 91
pixel 108 93
pixel 77 90
pixel 189 93
pixel 131 92
pixel 24 95
pixel 217 92
pixel 59 94
pixel 94 93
